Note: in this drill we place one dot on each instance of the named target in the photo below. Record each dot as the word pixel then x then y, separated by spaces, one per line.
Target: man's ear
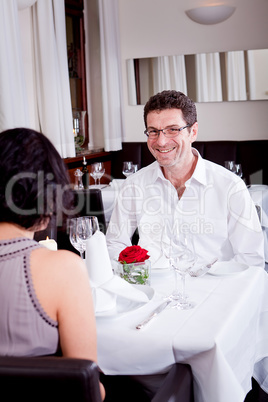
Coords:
pixel 194 131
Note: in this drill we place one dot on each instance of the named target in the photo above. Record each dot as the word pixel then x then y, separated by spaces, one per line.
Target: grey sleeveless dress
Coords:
pixel 25 328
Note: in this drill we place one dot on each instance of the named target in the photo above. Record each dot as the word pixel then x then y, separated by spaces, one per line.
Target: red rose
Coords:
pixel 133 254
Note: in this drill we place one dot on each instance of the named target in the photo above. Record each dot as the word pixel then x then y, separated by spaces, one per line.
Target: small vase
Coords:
pixel 136 273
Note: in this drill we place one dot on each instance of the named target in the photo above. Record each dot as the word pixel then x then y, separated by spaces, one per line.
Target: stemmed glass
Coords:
pixel 166 245
pixel 238 170
pixel 86 227
pixel 97 171
pixel 128 168
pixel 80 230
pixel 72 226
pixel 182 260
pixel 230 165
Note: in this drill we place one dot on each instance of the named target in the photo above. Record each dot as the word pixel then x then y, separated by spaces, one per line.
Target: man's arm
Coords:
pixel 245 232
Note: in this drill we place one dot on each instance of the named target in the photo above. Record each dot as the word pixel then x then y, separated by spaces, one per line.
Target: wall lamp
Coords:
pixel 209 15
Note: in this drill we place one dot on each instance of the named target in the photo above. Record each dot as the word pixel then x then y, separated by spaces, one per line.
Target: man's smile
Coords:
pixel 165 150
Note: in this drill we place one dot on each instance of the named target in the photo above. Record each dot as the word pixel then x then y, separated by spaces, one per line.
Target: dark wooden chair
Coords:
pixel 49 378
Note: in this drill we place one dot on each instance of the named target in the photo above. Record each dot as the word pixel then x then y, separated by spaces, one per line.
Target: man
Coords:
pixel 181 191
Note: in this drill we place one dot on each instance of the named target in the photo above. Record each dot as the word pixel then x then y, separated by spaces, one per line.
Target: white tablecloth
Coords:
pixel 222 337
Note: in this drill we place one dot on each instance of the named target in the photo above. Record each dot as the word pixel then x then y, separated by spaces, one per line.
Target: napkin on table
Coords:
pixel 105 285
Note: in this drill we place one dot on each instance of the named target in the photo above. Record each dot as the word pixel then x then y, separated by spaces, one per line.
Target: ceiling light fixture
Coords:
pixel 209 15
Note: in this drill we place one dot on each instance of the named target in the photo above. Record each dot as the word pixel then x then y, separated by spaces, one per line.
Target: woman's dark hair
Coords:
pixel 34 181
pixel 172 100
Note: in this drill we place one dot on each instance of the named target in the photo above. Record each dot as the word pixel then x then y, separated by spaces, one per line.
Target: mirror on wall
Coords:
pixel 208 77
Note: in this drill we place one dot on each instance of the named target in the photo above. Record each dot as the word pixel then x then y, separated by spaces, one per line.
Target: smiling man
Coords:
pixel 183 191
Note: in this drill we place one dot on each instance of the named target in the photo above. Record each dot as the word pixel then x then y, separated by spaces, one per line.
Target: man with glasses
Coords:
pixel 181 191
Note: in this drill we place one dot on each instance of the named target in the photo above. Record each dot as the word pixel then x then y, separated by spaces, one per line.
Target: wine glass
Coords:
pixel 86 227
pixel 128 168
pixel 238 170
pixel 72 227
pixel 166 245
pixel 230 165
pixel 182 260
pixel 97 171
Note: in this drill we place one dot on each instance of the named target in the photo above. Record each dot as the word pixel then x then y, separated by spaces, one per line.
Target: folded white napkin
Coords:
pixel 97 259
pixel 100 271
pixel 107 287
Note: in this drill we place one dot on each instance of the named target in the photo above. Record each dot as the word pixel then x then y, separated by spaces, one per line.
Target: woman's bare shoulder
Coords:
pixel 58 262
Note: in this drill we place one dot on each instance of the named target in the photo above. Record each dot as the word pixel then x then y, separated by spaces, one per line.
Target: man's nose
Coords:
pixel 162 139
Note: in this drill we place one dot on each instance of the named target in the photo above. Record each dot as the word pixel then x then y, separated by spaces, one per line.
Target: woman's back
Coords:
pixel 25 328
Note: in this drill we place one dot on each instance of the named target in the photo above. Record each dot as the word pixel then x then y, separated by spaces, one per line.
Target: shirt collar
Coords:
pixel 198 175
pixel 200 169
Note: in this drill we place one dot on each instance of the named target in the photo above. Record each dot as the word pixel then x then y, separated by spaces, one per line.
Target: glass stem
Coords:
pixel 176 292
pixel 82 254
pixel 183 286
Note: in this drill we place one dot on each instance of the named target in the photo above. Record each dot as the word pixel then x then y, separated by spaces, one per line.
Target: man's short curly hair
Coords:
pixel 33 176
pixel 172 100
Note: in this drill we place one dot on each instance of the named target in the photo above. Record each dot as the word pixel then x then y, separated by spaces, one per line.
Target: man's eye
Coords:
pixel 153 132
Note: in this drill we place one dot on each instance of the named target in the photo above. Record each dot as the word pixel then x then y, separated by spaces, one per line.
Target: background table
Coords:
pixel 223 338
pixel 109 195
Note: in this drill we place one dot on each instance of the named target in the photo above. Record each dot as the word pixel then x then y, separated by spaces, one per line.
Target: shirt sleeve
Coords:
pixel 245 232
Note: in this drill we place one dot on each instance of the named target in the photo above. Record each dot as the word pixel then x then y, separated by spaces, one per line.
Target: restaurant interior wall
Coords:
pixel 151 29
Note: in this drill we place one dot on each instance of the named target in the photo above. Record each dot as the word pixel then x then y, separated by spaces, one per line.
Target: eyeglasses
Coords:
pixel 169 132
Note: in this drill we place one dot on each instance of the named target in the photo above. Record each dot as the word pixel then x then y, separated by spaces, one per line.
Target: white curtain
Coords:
pixel 161 74
pixel 52 80
pixel 178 73
pixel 111 75
pixel 169 73
pixel 50 74
pixel 132 93
pixel 236 79
pixel 251 74
pixel 208 77
pixel 13 98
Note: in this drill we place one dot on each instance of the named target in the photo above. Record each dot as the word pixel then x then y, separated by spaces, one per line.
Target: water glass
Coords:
pixel 97 171
pixel 183 258
pixel 72 227
pixel 230 165
pixel 128 168
pixel 238 170
pixel 86 227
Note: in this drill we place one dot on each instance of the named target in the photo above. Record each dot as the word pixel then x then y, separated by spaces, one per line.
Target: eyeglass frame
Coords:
pixel 163 129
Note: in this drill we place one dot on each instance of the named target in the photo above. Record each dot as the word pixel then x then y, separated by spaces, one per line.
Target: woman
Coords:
pixel 45 296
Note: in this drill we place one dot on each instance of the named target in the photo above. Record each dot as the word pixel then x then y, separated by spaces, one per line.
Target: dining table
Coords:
pixel 224 337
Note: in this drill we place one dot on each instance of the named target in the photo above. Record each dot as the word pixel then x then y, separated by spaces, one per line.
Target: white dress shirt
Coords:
pixel 215 207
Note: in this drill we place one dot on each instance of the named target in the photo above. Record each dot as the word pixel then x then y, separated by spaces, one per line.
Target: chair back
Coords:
pixel 50 378
pixel 89 202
